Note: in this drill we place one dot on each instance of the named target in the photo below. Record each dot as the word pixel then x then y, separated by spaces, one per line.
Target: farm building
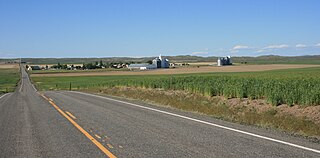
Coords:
pixel 161 62
pixel 33 67
pixel 141 66
pixel 224 61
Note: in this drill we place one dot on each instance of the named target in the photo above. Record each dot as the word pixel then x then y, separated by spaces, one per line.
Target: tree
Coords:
pixel 149 61
pixel 64 66
pixel 59 65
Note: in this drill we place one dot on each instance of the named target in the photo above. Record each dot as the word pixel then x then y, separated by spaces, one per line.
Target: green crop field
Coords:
pixel 9 77
pixel 292 86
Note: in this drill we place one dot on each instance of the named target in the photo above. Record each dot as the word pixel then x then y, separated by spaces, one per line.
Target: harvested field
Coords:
pixel 199 63
pixel 8 66
pixel 187 70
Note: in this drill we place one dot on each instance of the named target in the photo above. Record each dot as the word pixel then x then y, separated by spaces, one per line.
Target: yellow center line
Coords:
pixel 44 96
pixel 72 116
pixel 94 141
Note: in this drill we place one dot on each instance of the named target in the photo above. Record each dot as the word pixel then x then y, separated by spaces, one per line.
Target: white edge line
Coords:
pixel 32 84
pixel 4 95
pixel 208 123
pixel 34 87
pixel 21 85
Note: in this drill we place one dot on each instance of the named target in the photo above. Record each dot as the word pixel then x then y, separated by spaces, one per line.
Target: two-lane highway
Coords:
pixel 31 127
pixel 60 124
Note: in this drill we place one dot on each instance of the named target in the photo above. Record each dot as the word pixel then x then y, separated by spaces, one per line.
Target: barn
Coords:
pixel 141 66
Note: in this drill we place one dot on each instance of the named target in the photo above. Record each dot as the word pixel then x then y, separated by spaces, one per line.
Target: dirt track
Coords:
pixel 206 69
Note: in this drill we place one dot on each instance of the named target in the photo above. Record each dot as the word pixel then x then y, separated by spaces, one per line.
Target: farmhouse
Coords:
pixel 33 67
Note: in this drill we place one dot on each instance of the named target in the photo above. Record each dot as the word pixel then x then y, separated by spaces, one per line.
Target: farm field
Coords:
pixel 292 86
pixel 283 99
pixel 172 71
pixel 9 66
pixel 9 77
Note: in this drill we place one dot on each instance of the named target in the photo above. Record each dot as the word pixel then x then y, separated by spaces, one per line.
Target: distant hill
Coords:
pixel 273 59
pixel 267 59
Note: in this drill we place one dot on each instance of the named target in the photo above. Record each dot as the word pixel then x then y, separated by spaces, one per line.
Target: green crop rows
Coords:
pixel 9 77
pixel 295 86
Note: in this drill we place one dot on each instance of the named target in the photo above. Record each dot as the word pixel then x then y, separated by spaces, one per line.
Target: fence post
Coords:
pixel 70 87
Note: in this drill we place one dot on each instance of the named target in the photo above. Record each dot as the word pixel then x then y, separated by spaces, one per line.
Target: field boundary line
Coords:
pixel 205 122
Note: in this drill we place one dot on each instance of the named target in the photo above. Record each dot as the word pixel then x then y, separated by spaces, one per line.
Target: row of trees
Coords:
pixel 60 66
pixel 95 65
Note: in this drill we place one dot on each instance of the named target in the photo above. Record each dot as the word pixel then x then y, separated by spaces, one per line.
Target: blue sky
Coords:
pixel 136 28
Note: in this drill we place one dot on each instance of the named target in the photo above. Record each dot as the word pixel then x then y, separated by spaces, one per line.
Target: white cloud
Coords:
pixel 234 51
pixel 7 55
pixel 237 47
pixel 261 51
pixel 301 45
pixel 199 53
pixel 277 46
pixel 318 45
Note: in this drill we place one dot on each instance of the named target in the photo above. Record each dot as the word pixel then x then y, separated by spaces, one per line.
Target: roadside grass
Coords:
pixel 217 107
pixel 9 78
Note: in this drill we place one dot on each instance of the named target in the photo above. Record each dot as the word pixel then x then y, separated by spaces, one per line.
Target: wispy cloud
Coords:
pixel 7 55
pixel 276 49
pixel 237 47
pixel 234 50
pixel 200 53
pixel 277 46
pixel 262 51
pixel 301 45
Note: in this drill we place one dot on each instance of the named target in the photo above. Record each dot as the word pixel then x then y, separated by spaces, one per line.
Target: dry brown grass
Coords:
pixel 185 70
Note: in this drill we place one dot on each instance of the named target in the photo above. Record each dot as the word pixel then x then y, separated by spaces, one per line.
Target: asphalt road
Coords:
pixel 48 124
